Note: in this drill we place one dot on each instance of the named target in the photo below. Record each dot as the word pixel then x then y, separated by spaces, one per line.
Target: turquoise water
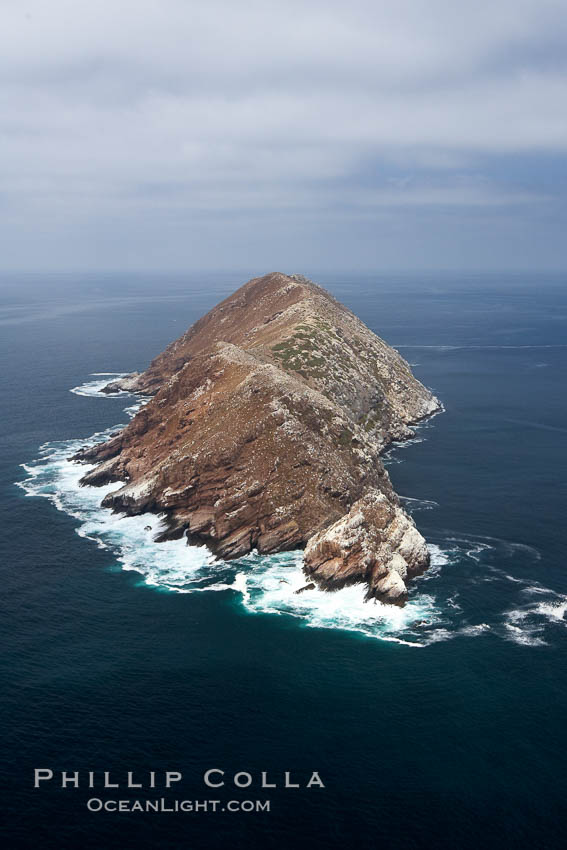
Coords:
pixel 437 726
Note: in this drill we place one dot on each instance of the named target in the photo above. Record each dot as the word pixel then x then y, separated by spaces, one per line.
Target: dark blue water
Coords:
pixel 444 734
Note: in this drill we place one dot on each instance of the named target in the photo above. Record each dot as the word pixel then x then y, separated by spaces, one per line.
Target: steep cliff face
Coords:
pixel 265 426
pixel 375 542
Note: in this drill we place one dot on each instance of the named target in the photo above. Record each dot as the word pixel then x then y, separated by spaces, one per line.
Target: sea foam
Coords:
pixel 443 602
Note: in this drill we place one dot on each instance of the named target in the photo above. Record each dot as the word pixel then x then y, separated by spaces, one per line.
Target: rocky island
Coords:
pixel 264 431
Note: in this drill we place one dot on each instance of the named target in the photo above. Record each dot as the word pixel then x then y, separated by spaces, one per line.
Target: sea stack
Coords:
pixel 264 431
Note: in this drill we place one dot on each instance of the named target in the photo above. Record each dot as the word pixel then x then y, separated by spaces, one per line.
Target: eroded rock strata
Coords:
pixel 264 431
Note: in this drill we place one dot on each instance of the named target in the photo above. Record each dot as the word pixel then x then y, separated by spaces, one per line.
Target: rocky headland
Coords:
pixel 264 431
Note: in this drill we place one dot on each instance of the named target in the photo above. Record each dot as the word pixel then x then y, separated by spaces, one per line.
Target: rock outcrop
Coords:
pixel 264 431
pixel 376 542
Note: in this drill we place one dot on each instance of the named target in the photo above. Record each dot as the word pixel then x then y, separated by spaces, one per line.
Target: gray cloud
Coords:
pixel 175 134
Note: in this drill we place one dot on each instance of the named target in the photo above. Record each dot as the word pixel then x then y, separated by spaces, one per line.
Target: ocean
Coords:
pixel 439 725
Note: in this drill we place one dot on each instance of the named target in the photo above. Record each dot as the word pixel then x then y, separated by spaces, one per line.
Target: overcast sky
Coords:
pixel 295 135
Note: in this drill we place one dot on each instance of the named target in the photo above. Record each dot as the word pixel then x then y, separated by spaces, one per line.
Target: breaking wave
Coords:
pixel 93 389
pixel 444 602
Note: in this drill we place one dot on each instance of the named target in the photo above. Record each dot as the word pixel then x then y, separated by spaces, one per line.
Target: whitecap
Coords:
pixel 523 638
pixel 527 623
pixel 93 389
pixel 552 610
pixel 414 505
pixel 473 631
pixel 533 588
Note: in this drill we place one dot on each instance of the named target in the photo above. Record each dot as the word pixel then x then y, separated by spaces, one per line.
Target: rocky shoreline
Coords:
pixel 264 430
